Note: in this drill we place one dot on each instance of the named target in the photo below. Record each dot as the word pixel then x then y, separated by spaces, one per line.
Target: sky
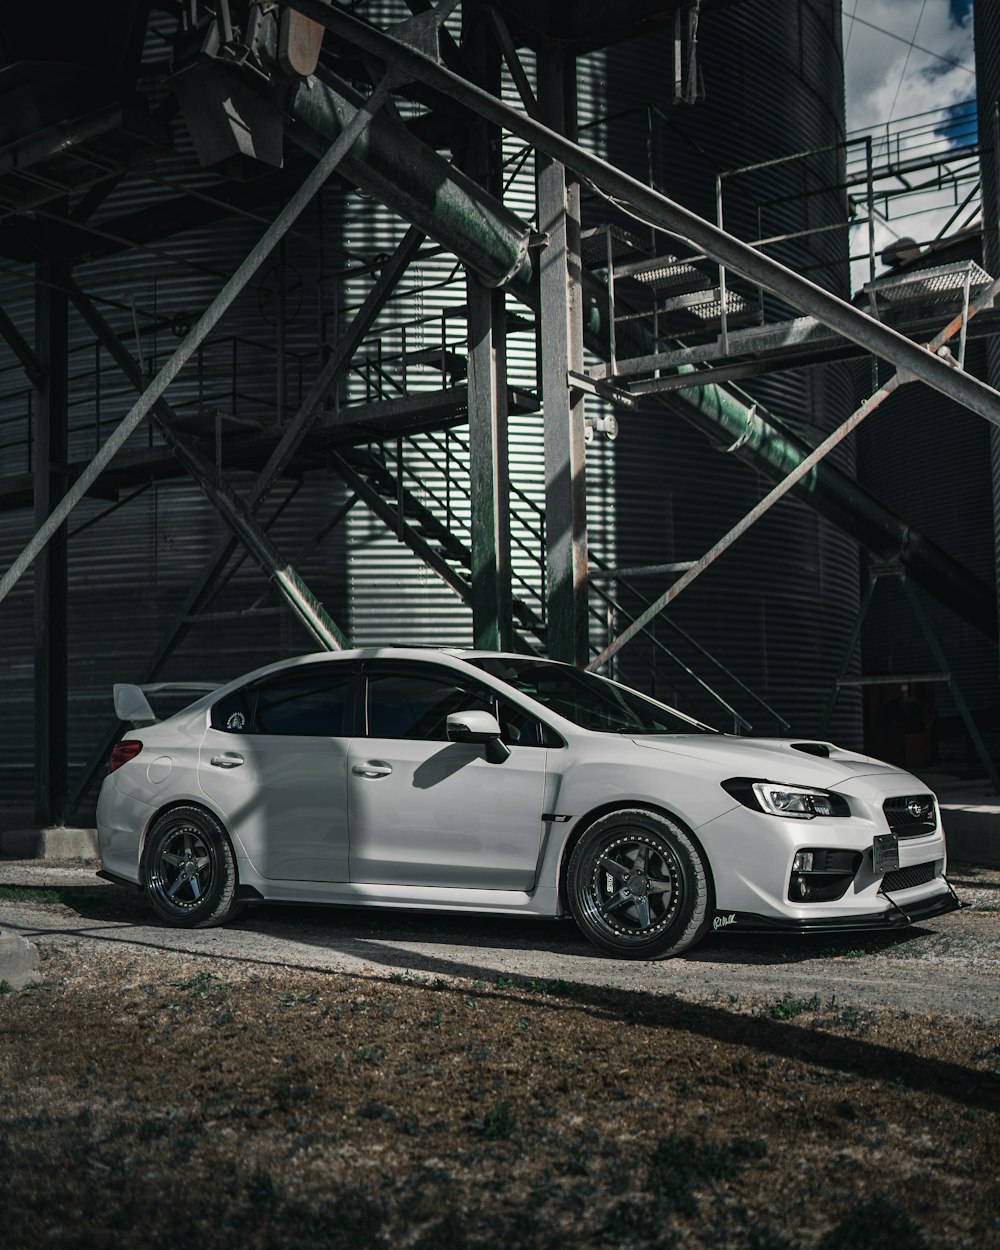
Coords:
pixel 888 81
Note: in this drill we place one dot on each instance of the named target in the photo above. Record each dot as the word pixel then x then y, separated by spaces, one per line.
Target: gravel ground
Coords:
pixel 951 964
pixel 316 1079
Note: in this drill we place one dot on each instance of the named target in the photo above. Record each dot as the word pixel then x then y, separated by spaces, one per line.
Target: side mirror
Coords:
pixel 132 705
pixel 476 726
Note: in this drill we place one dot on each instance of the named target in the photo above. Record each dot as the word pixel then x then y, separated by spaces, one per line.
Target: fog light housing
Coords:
pixel 820 875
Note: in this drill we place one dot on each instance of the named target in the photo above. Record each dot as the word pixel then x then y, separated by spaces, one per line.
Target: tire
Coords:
pixel 188 870
pixel 638 886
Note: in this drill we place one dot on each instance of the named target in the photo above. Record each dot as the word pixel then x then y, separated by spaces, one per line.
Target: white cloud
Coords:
pixel 886 80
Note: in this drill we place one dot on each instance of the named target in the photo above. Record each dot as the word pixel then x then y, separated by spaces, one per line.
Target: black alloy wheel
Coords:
pixel 188 869
pixel 638 885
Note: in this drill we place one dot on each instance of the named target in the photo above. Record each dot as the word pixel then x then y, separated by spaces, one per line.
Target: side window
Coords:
pixel 416 705
pixel 307 702
pixel 520 728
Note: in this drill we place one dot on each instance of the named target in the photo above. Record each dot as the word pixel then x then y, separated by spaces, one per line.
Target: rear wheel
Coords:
pixel 188 870
pixel 638 886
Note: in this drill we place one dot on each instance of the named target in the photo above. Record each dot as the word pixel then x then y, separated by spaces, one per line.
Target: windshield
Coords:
pixel 589 701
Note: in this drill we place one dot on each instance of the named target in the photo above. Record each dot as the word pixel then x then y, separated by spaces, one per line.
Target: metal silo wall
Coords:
pixel 778 608
pixel 986 16
pixel 929 461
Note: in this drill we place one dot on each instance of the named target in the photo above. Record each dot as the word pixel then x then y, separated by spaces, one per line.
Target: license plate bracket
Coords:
pixel 885 853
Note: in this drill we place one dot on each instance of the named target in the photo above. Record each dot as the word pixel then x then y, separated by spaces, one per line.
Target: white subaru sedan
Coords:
pixel 473 781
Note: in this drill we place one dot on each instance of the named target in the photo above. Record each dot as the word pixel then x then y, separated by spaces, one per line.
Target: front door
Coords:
pixel 428 812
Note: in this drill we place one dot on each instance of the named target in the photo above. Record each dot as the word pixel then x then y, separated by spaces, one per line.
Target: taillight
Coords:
pixel 122 752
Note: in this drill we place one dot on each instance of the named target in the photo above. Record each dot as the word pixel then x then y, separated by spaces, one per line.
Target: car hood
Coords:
pixel 772 759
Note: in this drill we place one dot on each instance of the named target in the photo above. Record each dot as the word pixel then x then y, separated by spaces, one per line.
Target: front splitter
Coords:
pixel 899 916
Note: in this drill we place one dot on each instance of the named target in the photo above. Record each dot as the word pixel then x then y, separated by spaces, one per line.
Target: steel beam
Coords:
pixel 51 669
pixel 562 353
pixel 271 237
pixel 489 469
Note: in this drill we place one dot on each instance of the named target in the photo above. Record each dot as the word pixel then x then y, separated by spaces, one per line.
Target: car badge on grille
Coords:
pixel 916 809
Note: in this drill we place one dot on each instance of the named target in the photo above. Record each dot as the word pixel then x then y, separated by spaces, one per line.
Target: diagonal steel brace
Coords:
pixel 805 466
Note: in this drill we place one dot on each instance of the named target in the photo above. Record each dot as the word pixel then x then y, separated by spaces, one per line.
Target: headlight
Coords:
pixel 796 802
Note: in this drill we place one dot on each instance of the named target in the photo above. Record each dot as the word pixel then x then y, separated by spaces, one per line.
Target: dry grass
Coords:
pixel 148 1102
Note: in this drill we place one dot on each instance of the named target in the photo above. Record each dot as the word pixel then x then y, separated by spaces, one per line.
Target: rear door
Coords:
pixel 426 811
pixel 274 760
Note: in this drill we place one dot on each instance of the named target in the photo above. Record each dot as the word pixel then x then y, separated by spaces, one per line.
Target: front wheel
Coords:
pixel 638 886
pixel 188 870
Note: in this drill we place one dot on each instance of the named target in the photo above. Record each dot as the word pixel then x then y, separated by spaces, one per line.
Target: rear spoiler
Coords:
pixel 132 705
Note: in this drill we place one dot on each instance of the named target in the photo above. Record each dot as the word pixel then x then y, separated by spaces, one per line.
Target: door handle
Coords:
pixel 229 760
pixel 372 768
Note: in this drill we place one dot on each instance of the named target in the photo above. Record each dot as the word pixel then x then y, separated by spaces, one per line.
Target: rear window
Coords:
pixel 307 702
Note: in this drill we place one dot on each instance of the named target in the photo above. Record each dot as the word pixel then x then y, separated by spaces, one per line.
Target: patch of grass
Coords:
pixel 875 1225
pixel 854 1018
pixel 499 1122
pixel 201 984
pixel 286 1092
pixel 679 1165
pixel 788 1006
pixel 369 1054
pixel 30 894
pixel 151 1129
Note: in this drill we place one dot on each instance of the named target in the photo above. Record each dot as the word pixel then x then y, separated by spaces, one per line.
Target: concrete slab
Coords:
pixel 56 842
pixel 19 961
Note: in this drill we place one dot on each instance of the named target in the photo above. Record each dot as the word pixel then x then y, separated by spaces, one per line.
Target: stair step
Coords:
pixel 666 275
pixel 594 246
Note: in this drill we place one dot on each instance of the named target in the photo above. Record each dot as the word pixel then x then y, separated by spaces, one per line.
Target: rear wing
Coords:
pixel 131 704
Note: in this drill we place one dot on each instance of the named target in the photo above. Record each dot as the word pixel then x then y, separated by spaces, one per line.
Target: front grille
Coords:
pixel 907 878
pixel 903 823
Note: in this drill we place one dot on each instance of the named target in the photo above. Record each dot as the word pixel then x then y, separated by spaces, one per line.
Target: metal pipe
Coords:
pixel 414 181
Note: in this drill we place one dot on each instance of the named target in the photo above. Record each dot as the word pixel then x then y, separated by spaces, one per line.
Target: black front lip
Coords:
pixel 898 917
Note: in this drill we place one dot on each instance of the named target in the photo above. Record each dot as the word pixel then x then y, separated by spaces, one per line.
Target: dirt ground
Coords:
pixel 166 1102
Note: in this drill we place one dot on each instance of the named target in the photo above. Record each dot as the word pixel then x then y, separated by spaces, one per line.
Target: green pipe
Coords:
pixel 409 177
pixel 414 181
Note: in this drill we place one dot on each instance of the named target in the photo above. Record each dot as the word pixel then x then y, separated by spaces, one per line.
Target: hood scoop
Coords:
pixel 812 748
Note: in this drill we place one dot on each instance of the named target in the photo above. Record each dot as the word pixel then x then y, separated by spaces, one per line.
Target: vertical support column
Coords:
pixel 489 472
pixel 50 456
pixel 489 469
pixel 562 350
pixel 986 24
